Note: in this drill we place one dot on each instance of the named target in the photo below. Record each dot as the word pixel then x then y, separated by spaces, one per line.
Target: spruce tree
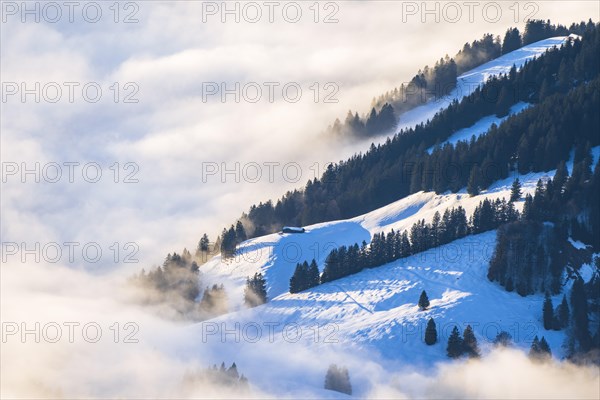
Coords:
pixel 338 379
pixel 255 292
pixel 423 301
pixel 313 274
pixel 298 279
pixel 232 372
pixel 528 211
pixel 563 314
pixel 515 191
pixel 470 342
pixel 430 332
pixel 474 183
pixel 548 312
pixel 545 348
pixel 204 243
pixel 534 350
pixel 455 344
pixel 503 339
pixel 580 315
pixel 240 232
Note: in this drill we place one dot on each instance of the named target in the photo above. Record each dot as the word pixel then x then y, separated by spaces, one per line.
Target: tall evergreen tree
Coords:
pixel 299 280
pixel 515 190
pixel 255 292
pixel 455 344
pixel 512 40
pixel 545 348
pixel 313 274
pixel 430 332
pixel 548 312
pixel 204 243
pixel 503 339
pixel 534 350
pixel 540 350
pixel 470 342
pixel 423 301
pixel 240 232
pixel 338 379
pixel 580 315
pixel 474 183
pixel 562 313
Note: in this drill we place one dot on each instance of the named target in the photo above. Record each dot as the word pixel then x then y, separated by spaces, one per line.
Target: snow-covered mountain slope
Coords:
pixel 371 317
pixel 480 127
pixel 276 255
pixel 470 80
pixel 376 310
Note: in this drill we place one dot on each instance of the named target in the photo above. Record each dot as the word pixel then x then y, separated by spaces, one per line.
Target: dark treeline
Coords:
pixel 530 254
pixel 230 238
pixel 440 79
pixel 563 83
pixel 573 315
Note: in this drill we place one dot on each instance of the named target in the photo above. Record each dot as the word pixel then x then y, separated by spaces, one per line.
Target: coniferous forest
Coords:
pixel 532 249
pixel 561 84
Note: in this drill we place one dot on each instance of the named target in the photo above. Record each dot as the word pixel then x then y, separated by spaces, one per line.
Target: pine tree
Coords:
pixel 534 350
pixel 545 348
pixel 430 332
pixel 515 190
pixel 232 372
pixel 455 344
pixel 470 342
pixel 528 211
pixel 313 274
pixel 240 232
pixel 474 183
pixel 204 243
pixel 338 379
pixel 423 301
pixel 580 315
pixel 548 312
pixel 255 292
pixel 299 279
pixel 563 314
pixel 512 40
pixel 228 242
pixel 503 339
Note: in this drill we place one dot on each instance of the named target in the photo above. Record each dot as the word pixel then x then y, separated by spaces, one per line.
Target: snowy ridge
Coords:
pixel 470 80
pixel 480 127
